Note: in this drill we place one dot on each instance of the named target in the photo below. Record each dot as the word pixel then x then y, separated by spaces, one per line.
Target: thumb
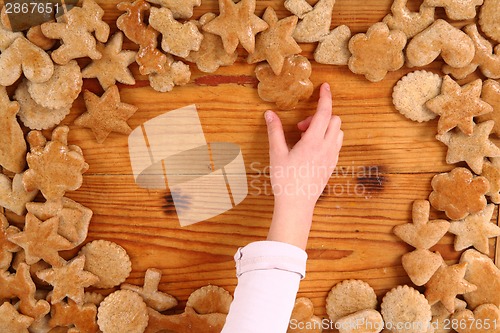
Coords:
pixel 277 142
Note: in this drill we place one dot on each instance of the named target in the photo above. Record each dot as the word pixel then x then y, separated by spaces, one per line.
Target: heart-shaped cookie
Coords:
pixel 22 56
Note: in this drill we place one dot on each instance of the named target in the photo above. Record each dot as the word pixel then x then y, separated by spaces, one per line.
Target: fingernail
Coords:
pixel 269 116
pixel 327 86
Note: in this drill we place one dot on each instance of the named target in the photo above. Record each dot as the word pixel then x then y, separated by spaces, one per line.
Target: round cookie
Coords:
pixel 412 92
pixel 348 297
pixel 109 261
pixel 405 310
pixel 123 311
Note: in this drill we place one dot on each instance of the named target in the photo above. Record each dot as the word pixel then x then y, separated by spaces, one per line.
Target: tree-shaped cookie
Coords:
pixel 150 293
pixel 458 193
pixel 475 230
pixel 76 33
pixel 422 234
pixel 54 167
pixel 471 149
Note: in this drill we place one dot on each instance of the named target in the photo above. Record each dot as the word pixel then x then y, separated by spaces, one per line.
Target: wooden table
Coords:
pixel 386 163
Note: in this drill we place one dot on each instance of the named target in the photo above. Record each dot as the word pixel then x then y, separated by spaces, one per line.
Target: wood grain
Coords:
pixel 386 163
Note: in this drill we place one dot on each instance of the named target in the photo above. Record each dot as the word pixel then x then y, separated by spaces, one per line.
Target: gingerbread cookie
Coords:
pixel 112 67
pixel 446 284
pixel 394 309
pixel 106 114
pixel 413 91
pixel 178 39
pixel 108 261
pixel 76 33
pixel 54 182
pixel 176 74
pixel 441 38
pixel 316 23
pixel 12 145
pixel 33 115
pixel 348 297
pixel 13 195
pixel 181 9
pixel 123 311
pixel 61 90
pixel 333 49
pixel 411 23
pixel 23 57
pixel 489 18
pixel 41 241
pixel 68 280
pixel 189 321
pixel 149 292
pixel 482 272
pixel 457 106
pixel 456 10
pixel 422 233
pixel 303 316
pixel 458 193
pixel 211 54
pixel 470 149
pixel 288 88
pixel 491 95
pixel 377 52
pixel 468 320
pixel 237 23
pixel 475 230
pixel 276 43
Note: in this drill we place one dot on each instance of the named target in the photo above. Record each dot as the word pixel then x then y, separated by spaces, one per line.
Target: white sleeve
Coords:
pixel 269 275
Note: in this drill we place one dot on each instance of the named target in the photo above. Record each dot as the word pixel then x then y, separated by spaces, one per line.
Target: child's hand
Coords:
pixel 299 175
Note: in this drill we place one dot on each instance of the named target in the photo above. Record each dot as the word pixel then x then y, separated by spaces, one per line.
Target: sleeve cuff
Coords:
pixel 267 255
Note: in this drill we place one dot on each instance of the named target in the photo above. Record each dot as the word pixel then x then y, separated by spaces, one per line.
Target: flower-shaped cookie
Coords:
pixel 377 52
pixel 76 33
pixel 458 193
pixel 288 88
pixel 54 167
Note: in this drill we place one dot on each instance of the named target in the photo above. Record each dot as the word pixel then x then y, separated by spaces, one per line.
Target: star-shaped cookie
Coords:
pixel 106 114
pixel 475 230
pixel 68 280
pixel 446 284
pixel 13 321
pixel 491 95
pixel 41 241
pixel 276 43
pixel 471 149
pixel 237 23
pixel 422 233
pixel 457 105
pixel 113 65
